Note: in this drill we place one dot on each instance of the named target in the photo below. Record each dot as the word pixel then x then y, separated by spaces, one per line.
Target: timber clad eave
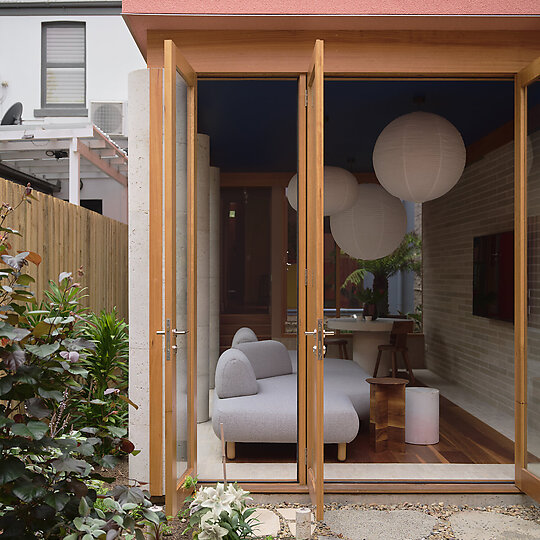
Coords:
pixel 352 53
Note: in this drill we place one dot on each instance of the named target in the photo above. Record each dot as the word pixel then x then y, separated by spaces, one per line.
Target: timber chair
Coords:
pixel 398 343
pixel 341 343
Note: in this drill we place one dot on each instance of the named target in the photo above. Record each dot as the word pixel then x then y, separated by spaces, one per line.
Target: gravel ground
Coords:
pixel 441 511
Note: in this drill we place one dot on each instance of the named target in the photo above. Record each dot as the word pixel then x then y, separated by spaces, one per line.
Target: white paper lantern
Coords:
pixel 374 227
pixel 419 156
pixel 339 190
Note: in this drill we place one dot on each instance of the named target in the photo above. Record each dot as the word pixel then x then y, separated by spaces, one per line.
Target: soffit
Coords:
pixel 43 152
pixel 140 24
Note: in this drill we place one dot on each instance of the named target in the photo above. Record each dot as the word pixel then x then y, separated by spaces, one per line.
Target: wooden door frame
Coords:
pixel 156 411
pixel 312 240
pixel 175 63
pixel 525 480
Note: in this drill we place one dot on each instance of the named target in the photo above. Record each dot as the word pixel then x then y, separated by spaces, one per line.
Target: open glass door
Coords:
pixel 314 274
pixel 527 279
pixel 180 270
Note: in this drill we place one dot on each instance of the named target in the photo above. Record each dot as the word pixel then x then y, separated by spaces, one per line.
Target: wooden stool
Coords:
pixel 387 414
pixel 398 343
pixel 342 345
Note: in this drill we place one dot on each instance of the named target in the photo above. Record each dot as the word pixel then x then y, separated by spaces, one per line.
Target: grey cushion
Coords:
pixel 234 375
pixel 244 335
pixel 270 416
pixel 269 358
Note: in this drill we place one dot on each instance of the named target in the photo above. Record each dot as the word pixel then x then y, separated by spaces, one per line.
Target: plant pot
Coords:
pixel 370 310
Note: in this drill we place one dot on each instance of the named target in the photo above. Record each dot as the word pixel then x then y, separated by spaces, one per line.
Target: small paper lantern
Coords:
pixel 419 156
pixel 374 227
pixel 339 190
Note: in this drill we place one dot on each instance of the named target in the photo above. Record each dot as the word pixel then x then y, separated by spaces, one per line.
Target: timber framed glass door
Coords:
pixel 527 279
pixel 180 270
pixel 311 235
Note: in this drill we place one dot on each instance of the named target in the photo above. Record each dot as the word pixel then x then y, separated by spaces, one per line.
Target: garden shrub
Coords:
pixel 47 468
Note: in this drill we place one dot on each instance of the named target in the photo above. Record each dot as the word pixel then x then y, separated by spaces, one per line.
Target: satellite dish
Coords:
pixel 13 116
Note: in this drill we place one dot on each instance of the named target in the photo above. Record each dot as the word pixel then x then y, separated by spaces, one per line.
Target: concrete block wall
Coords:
pixel 138 222
pixel 476 352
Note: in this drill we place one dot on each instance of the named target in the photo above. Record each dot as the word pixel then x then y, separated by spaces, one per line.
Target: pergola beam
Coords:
pixel 24 148
pixel 94 158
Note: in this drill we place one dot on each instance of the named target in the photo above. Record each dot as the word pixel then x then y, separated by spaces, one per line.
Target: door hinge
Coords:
pixel 305 277
pixel 306 98
pixel 305 454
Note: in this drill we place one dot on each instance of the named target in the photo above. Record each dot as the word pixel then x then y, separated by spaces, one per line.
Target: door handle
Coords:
pixel 179 332
pixel 311 333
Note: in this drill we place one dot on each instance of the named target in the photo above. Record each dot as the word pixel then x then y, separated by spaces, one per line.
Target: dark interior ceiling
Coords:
pixel 252 124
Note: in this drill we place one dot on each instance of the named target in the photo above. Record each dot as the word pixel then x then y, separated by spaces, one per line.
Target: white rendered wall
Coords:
pixel 111 54
pixel 113 194
pixel 138 241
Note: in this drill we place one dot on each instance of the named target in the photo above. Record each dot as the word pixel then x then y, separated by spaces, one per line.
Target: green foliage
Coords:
pixel 369 296
pixel 221 513
pixel 47 468
pixel 190 482
pixel 417 317
pixel 104 400
pixel 407 257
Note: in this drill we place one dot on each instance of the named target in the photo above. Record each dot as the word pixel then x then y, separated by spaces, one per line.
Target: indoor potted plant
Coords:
pixel 407 257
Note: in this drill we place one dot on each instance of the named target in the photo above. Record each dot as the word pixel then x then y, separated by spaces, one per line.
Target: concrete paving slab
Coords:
pixel 470 525
pixel 269 522
pixel 380 525
pixel 289 514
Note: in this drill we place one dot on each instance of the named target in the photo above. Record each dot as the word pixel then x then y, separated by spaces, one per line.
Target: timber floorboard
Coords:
pixel 463 439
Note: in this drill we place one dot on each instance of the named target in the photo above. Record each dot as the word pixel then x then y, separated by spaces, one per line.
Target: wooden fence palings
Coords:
pixel 67 237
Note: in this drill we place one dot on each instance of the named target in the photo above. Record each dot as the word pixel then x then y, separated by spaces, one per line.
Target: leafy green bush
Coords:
pixel 104 402
pixel 46 467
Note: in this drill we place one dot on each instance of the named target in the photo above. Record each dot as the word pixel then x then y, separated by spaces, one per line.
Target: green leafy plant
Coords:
pixel 46 467
pixel 221 512
pixel 407 257
pixel 190 482
pixel 417 317
pixel 104 400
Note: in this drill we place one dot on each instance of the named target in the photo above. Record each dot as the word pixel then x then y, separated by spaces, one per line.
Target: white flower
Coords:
pixel 210 527
pixel 240 496
pixel 217 499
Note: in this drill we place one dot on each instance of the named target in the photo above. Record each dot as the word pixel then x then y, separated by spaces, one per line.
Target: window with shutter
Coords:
pixel 63 65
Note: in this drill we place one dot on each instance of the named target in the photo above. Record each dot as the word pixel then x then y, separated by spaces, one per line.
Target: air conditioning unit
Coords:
pixel 110 116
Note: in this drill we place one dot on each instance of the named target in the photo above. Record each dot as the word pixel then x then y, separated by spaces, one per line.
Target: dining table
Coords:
pixel 367 336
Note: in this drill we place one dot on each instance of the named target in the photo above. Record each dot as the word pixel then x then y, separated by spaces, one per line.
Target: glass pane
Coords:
pixel 182 429
pixel 66 85
pixel 533 277
pixel 245 245
pixel 65 44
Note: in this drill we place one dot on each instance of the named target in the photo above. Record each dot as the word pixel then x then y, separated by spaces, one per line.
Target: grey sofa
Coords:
pixel 256 389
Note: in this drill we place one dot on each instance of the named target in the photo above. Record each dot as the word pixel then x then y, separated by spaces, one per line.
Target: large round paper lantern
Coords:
pixel 339 190
pixel 419 156
pixel 374 227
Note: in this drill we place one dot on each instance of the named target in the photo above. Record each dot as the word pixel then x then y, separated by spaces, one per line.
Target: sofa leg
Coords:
pixel 231 450
pixel 342 451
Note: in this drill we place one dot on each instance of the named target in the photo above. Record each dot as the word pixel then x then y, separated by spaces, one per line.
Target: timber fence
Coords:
pixel 67 237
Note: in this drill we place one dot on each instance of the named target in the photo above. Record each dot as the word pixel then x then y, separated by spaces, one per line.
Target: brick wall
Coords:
pixel 476 352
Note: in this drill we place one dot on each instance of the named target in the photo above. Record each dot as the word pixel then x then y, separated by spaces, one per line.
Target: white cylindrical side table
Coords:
pixel 421 415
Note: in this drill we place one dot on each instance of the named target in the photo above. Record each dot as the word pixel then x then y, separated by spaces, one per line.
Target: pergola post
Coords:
pixel 74 173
